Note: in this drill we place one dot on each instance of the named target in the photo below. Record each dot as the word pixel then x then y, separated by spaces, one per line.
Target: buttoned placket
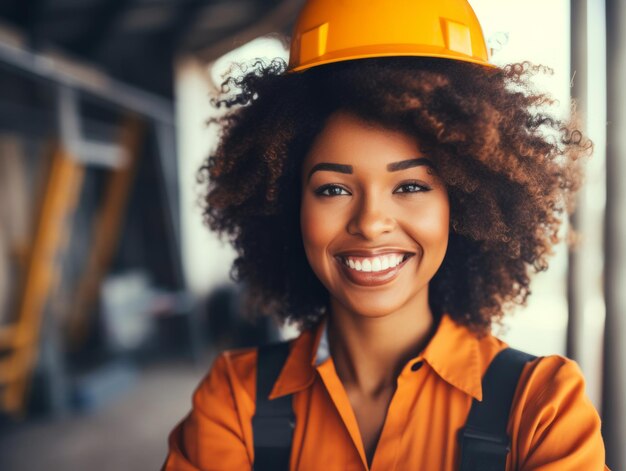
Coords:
pixel 409 384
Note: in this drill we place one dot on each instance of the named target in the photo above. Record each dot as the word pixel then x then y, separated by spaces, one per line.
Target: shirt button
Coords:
pixel 417 365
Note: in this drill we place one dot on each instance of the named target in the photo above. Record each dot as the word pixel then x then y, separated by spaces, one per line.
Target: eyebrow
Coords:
pixel 392 167
pixel 404 164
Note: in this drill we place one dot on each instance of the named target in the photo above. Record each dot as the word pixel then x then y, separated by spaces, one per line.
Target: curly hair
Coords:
pixel 510 166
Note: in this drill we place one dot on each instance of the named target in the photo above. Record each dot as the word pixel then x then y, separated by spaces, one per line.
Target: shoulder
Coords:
pixel 547 385
pixel 216 424
pixel 552 377
pixel 541 377
pixel 234 372
pixel 553 419
pixel 553 389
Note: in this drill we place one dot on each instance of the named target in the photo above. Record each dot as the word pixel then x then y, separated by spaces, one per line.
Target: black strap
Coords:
pixel 484 442
pixel 273 422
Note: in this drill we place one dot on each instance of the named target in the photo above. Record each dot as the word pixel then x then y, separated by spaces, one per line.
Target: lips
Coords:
pixel 372 268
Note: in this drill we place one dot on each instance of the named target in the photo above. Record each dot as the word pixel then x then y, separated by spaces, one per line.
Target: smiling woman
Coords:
pixel 394 208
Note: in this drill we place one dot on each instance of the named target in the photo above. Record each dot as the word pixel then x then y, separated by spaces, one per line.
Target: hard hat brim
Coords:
pixel 400 50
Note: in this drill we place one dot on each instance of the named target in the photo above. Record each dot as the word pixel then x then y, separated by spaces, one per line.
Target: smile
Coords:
pixel 375 270
pixel 375 264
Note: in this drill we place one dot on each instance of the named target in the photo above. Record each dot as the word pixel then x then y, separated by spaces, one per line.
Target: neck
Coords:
pixel 370 352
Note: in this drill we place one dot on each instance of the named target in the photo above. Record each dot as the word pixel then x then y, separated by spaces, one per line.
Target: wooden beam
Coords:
pixel 278 19
pixel 102 23
pixel 186 17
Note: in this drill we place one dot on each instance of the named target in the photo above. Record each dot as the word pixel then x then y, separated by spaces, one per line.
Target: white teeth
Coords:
pixel 374 264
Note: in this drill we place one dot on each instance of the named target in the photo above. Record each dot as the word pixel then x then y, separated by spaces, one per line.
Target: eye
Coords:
pixel 412 187
pixel 331 190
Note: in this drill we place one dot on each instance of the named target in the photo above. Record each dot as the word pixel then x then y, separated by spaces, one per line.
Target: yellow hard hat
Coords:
pixel 338 30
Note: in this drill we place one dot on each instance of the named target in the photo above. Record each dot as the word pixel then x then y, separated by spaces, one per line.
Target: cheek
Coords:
pixel 318 228
pixel 439 222
pixel 430 226
pixel 442 228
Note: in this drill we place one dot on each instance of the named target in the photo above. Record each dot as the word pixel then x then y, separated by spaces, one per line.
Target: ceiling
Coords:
pixel 136 41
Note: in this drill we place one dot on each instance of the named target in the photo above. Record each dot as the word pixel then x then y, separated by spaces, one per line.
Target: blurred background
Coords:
pixel 114 298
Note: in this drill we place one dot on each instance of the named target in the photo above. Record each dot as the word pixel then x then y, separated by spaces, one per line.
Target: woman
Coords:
pixel 393 207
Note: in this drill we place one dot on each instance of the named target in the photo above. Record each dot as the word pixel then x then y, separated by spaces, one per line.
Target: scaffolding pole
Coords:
pixel 614 381
pixel 576 273
pixel 97 86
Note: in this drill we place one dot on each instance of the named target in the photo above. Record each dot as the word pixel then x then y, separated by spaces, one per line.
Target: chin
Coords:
pixel 375 306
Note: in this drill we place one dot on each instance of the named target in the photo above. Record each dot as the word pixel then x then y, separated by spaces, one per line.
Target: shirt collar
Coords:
pixel 453 353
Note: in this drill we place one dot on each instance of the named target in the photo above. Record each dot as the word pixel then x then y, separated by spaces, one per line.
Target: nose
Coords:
pixel 371 219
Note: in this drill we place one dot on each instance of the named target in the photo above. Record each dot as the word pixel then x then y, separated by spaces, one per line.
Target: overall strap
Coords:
pixel 484 442
pixel 273 422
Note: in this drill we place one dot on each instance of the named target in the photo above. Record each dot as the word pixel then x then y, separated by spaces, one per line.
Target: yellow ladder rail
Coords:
pixel 21 339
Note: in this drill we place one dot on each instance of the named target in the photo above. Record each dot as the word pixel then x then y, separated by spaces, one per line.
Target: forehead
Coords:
pixel 348 139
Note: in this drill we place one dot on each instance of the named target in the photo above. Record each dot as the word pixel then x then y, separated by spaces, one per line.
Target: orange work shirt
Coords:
pixel 553 425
